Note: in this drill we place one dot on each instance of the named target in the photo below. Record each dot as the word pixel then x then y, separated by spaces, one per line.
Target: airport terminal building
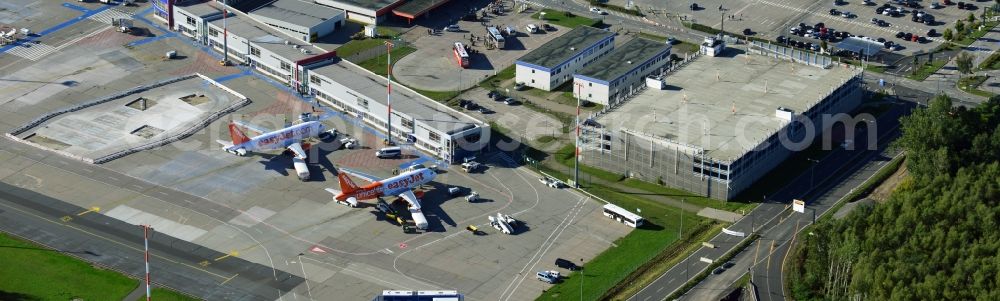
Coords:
pixel 729 122
pixel 431 126
pixel 555 62
pixel 611 78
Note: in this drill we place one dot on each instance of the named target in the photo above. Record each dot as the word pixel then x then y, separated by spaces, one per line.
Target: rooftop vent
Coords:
pixel 628 62
pixel 572 48
pixel 287 42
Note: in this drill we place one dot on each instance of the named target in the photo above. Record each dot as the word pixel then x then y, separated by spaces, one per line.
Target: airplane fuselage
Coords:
pixel 282 138
pixel 391 186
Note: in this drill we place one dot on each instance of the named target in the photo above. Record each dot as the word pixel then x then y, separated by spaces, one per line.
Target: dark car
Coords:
pixel 961 5
pixel 819 25
pixel 887 45
pixel 883 23
pixel 800 44
pixel 566 264
pixel 908 36
pixel 932 33
pixel 781 39
pixel 694 6
pixel 880 40
pixel 747 32
pixel 834 12
pixel 922 39
pixel 901 34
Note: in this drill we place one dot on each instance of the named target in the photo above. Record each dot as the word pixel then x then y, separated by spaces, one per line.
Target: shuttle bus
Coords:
pixel 622 216
pixel 461 56
pixel 494 37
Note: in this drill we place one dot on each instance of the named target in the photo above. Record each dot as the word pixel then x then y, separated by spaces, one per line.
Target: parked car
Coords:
pixel 550 277
pixel 510 101
pixel 932 33
pixel 598 11
pixel 452 27
pixel 566 264
pixel 519 86
pixel 747 32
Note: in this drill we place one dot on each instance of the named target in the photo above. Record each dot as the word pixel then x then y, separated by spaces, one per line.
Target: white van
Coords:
pixel 531 28
pixel 389 152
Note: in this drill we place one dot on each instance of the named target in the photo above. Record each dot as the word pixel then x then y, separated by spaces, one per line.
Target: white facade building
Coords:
pixel 302 20
pixel 431 126
pixel 620 72
pixel 555 62
pixel 364 11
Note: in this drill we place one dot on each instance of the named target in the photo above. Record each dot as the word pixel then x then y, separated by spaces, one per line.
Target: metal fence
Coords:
pixel 778 51
pixel 374 52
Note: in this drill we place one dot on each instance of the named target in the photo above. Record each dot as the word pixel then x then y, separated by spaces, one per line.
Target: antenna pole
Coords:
pixel 145 237
pixel 225 35
pixel 388 94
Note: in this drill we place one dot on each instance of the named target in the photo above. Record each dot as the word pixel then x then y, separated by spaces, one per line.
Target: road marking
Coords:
pixel 92 209
pixel 66 218
pixel 228 279
pixel 110 240
pixel 112 178
pixel 661 288
pixel 137 186
pixel 231 253
pixel 161 192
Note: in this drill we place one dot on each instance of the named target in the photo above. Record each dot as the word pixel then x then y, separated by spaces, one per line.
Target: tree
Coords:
pixel 964 63
pixel 822 44
pixel 971 18
pixel 959 26
pixel 947 35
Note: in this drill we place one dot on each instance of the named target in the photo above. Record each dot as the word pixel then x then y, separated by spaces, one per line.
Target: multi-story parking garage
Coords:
pixel 725 122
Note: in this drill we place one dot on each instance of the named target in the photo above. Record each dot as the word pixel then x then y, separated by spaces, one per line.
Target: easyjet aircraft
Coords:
pixel 289 138
pixel 401 185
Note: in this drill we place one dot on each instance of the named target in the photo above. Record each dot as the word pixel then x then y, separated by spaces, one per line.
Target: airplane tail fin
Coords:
pixel 238 136
pixel 346 184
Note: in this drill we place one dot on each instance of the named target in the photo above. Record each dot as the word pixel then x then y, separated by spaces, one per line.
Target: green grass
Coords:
pixel 378 64
pixel 630 252
pixel 560 18
pixel 356 46
pixel 926 69
pixel 970 84
pixel 39 273
pixel 545 139
pixel 976 34
pixel 162 294
pixel 493 82
pixel 992 62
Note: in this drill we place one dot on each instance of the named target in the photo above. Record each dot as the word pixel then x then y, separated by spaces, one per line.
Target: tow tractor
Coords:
pixel 390 214
pixel 470 166
pixel 472 197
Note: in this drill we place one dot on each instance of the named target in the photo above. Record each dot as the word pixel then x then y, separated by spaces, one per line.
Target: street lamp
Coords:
pixel 581 279
pixel 812 177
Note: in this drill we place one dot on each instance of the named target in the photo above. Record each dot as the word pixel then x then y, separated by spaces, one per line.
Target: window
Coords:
pixel 590 84
pixel 363 103
pixel 190 21
pixel 213 32
pixel 313 79
pixel 407 123
pixel 254 51
pixel 285 66
pixel 532 70
pixel 434 136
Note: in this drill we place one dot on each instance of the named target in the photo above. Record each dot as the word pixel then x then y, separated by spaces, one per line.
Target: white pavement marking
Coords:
pixel 36 52
pixel 108 15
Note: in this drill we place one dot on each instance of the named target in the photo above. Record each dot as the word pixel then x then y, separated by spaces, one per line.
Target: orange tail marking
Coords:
pixel 237 135
pixel 346 184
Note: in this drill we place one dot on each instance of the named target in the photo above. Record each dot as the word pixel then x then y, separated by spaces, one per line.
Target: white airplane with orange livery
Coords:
pixel 289 138
pixel 401 185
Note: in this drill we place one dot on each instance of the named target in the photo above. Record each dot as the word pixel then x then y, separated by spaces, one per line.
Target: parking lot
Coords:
pixel 254 208
pixel 434 67
pixel 770 19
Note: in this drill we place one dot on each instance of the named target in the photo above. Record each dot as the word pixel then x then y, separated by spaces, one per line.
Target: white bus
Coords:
pixel 461 56
pixel 495 37
pixel 622 216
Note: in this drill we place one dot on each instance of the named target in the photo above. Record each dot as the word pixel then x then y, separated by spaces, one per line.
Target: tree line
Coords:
pixel 937 237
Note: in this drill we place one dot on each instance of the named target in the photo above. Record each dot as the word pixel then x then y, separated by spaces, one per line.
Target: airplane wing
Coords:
pixel 359 174
pixel 251 127
pixel 297 149
pixel 410 198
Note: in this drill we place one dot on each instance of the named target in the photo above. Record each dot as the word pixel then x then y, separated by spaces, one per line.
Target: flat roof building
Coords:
pixel 611 78
pixel 429 125
pixel 415 8
pixel 365 11
pixel 265 49
pixel 305 21
pixel 192 17
pixel 727 122
pixel 554 63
